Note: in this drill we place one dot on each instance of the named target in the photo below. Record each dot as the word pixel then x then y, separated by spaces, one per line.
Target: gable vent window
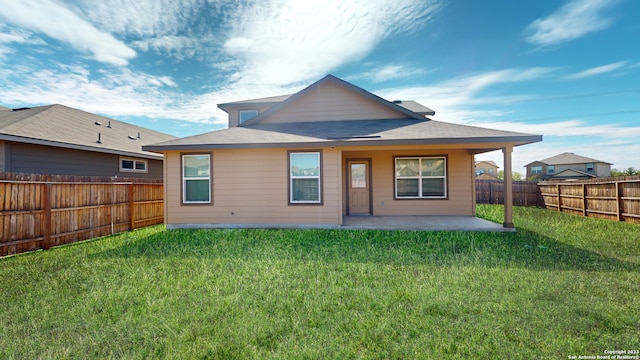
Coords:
pixel 247 114
pixel 133 165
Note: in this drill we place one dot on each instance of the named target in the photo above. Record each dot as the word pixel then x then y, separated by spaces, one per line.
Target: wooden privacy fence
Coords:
pixel 41 214
pixel 525 193
pixel 612 199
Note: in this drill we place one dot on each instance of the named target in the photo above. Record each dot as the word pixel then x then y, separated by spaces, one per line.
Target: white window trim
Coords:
pixel 185 179
pixel 134 170
pixel 420 177
pixel 254 111
pixel 292 177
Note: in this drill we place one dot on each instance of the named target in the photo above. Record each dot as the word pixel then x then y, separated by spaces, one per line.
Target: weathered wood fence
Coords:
pixel 525 193
pixel 613 199
pixel 37 214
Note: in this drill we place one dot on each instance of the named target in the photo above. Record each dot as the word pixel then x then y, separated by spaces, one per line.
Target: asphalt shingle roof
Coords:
pixel 570 158
pixel 59 125
pixel 344 133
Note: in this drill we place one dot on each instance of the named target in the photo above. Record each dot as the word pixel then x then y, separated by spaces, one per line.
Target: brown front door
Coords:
pixel 359 187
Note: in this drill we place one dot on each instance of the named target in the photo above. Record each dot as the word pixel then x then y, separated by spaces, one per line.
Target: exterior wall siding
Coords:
pixel 345 105
pixel 39 159
pixel 460 183
pixel 234 115
pixel 3 156
pixel 250 186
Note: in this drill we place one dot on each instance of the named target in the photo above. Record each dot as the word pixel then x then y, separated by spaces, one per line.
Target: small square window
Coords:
pixel 247 114
pixel 590 167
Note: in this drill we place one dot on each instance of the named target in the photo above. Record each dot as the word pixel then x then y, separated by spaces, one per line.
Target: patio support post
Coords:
pixel 508 188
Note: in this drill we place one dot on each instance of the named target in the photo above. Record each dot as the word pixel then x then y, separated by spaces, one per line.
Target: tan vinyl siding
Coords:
pixel 250 187
pixel 345 105
pixel 459 183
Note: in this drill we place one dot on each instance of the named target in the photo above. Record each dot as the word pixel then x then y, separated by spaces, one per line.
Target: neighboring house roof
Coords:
pixel 489 162
pixel 62 126
pixel 4 108
pixel 413 129
pixel 568 158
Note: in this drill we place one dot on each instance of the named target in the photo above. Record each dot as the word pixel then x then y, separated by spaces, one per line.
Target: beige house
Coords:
pixel 486 169
pixel 329 151
pixel 568 166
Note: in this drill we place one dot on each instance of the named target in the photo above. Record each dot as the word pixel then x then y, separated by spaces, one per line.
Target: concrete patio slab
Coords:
pixel 434 223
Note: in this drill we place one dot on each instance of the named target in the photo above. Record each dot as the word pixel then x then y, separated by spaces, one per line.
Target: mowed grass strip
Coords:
pixel 561 286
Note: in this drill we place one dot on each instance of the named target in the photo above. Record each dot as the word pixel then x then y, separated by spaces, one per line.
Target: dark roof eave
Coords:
pixel 513 140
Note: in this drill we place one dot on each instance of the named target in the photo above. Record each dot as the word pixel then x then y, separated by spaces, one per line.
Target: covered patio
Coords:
pixel 433 223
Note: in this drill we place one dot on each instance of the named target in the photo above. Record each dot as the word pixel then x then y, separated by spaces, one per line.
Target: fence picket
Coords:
pixel 36 214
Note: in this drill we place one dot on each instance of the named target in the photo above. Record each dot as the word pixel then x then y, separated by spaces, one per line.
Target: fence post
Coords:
pixel 559 198
pixel 131 207
pixel 618 201
pixel 46 198
pixel 584 199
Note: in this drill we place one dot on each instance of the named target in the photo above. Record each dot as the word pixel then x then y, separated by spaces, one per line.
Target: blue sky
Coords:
pixel 568 70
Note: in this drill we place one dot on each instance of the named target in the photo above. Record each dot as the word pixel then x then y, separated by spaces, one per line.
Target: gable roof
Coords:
pixel 332 79
pixel 568 158
pixel 62 126
pixel 488 162
pixel 412 129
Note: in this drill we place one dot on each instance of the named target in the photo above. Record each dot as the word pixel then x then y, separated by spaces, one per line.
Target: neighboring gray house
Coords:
pixel 59 140
pixel 568 166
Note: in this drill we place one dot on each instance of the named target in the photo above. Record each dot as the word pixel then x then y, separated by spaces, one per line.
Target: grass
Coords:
pixel 561 286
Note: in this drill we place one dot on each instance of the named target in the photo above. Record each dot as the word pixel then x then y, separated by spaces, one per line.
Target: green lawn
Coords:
pixel 561 286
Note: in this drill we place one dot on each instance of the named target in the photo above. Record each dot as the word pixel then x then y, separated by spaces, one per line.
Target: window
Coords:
pixel 196 179
pixel 551 169
pixel 133 165
pixel 590 167
pixel 421 177
pixel 304 178
pixel 247 114
pixel 490 171
pixel 536 170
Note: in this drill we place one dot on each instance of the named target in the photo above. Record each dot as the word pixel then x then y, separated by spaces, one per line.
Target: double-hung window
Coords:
pixel 305 178
pixel 196 179
pixel 421 177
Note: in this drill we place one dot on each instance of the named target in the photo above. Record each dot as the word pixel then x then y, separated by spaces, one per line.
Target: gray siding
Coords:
pixel 39 159
pixel 3 148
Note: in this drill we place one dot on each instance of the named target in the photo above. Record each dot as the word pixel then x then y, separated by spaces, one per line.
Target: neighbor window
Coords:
pixel 551 169
pixel 304 178
pixel 247 114
pixel 196 179
pixel 536 169
pixel 133 165
pixel 590 167
pixel 421 177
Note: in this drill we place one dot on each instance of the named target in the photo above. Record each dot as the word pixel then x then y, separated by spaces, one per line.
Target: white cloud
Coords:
pixel 574 20
pixel 287 41
pixel 598 70
pixel 58 22
pixel 178 47
pixel 389 72
pixel 451 99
